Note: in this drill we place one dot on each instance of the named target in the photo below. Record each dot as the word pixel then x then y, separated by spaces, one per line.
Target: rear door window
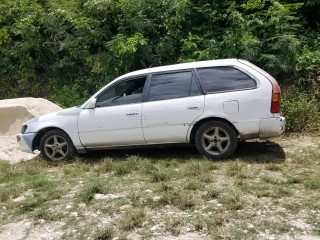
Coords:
pixel 170 86
pixel 220 79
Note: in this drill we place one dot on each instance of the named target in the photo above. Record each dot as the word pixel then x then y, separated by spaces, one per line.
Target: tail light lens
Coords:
pixel 276 97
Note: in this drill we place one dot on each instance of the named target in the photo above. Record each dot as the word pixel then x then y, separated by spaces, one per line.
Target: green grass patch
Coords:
pixel 133 218
pixel 92 187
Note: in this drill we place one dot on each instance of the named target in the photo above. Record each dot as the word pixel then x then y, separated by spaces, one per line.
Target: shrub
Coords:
pixel 301 111
pixel 68 96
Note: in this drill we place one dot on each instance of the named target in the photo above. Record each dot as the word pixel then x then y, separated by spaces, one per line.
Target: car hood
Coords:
pixel 73 111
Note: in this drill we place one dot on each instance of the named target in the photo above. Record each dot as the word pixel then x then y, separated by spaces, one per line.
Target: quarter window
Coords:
pixel 170 86
pixel 219 79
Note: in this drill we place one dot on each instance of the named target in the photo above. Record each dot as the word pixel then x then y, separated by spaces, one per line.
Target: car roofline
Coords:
pixel 181 66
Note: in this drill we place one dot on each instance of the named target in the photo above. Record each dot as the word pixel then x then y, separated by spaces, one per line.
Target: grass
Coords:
pixel 133 218
pixel 94 185
pixel 262 192
pixel 104 234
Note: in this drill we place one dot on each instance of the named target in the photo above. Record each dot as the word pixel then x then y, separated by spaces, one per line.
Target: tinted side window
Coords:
pixel 125 92
pixel 218 79
pixel 170 86
pixel 194 90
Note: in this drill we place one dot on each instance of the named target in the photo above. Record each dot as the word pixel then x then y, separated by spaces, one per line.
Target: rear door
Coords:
pixel 175 100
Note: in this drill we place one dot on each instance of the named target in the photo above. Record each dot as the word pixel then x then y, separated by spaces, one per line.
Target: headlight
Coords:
pixel 24 128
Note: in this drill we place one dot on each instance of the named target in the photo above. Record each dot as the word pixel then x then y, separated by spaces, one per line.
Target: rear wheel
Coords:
pixel 56 145
pixel 216 140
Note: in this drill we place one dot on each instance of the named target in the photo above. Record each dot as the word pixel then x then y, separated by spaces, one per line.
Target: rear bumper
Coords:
pixel 25 141
pixel 272 127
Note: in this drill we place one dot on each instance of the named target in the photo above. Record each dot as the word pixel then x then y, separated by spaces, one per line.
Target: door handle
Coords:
pixel 194 107
pixel 132 114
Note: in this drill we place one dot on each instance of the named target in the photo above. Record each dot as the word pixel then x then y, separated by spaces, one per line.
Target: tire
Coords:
pixel 216 140
pixel 56 145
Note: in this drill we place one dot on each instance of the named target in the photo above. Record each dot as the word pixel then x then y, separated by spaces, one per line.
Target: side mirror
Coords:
pixel 91 104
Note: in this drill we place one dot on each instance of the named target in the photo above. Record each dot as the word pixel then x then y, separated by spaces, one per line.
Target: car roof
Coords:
pixel 181 66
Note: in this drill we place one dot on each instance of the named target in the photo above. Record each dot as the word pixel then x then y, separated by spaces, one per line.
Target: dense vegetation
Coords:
pixel 65 50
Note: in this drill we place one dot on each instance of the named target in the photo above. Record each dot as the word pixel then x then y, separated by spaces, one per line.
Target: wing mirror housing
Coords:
pixel 91 104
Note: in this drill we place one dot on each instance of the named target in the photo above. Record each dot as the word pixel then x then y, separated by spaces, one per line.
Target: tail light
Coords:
pixel 276 97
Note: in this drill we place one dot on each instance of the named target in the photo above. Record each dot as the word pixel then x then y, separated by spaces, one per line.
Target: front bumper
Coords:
pixel 272 127
pixel 25 141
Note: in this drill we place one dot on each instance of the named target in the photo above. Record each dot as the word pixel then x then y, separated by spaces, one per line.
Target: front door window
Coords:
pixel 126 92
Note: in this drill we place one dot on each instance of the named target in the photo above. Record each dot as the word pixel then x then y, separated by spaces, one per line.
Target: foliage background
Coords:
pixel 65 50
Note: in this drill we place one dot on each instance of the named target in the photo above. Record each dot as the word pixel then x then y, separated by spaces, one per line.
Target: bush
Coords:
pixel 301 110
pixel 68 96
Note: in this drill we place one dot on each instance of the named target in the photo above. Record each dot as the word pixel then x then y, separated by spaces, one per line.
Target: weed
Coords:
pixel 124 168
pixel 181 199
pixel 46 214
pixel 238 170
pixel 282 191
pixel 212 194
pixel 312 182
pixel 159 176
pixel 76 169
pixel 193 185
pixel 274 167
pixel 295 179
pixel 193 168
pixel 206 177
pixel 231 200
pixel 4 194
pixel 93 186
pixel 107 165
pixel 104 234
pixel 199 223
pixel 172 225
pixel 131 219
pixel 31 203
pixel 165 188
pixel 55 193
pixel 132 163
pixel 270 179
pixel 41 183
pixel 136 198
pixel 9 191
pixel 214 224
pixel 147 167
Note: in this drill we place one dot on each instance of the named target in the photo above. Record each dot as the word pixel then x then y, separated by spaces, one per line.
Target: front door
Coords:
pixel 116 119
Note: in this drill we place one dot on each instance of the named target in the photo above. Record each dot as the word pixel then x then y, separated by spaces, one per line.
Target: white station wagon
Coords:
pixel 211 104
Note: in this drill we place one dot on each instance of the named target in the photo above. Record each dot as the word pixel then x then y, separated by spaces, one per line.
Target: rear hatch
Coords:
pixel 276 91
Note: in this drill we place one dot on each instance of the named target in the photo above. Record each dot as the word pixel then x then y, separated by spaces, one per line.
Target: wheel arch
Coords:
pixel 205 120
pixel 37 139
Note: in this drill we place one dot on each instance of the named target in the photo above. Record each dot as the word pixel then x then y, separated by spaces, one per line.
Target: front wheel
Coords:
pixel 56 145
pixel 216 140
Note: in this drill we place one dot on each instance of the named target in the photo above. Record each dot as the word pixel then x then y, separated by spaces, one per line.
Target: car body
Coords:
pixel 212 104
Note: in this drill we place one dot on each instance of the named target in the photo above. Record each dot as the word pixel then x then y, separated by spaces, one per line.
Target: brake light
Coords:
pixel 276 97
